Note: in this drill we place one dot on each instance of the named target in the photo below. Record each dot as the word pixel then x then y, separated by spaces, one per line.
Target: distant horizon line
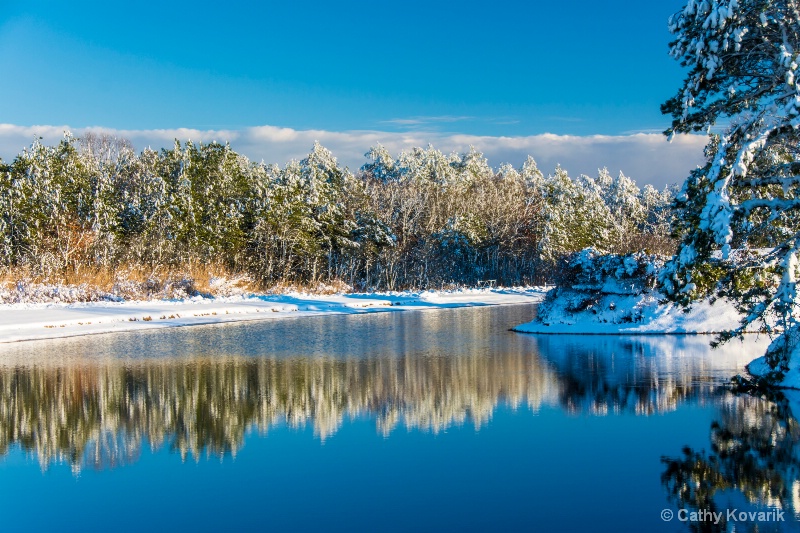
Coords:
pixel 649 158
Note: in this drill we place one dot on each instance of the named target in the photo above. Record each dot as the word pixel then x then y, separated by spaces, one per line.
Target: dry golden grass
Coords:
pixel 649 243
pixel 332 287
pixel 129 282
pixel 139 282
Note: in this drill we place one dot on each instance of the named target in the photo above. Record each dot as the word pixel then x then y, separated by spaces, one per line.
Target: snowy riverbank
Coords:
pixel 604 294
pixel 632 314
pixel 20 322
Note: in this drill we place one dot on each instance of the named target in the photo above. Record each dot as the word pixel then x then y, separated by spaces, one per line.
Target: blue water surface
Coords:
pixel 424 421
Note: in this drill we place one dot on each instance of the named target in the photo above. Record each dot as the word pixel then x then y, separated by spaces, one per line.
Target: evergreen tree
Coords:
pixel 381 166
pixel 739 213
pixel 51 208
pixel 575 216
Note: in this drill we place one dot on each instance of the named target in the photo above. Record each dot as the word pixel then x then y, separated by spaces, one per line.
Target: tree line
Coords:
pixel 421 219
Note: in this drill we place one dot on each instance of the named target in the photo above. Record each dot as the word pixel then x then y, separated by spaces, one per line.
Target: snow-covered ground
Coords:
pixel 607 294
pixel 632 314
pixel 791 379
pixel 45 321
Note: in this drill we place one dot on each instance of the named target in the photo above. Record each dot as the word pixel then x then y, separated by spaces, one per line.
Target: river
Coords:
pixel 430 420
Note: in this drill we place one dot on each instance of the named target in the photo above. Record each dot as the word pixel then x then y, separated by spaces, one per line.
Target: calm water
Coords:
pixel 438 420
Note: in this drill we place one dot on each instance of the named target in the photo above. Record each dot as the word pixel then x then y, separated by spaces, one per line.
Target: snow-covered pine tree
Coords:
pixel 473 167
pixel 658 209
pixel 428 165
pixel 533 177
pixel 381 166
pixel 623 199
pixel 107 160
pixel 574 216
pixel 219 190
pixel 740 211
pixel 143 220
pixel 50 204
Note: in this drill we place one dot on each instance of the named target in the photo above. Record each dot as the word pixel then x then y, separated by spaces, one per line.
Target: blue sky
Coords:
pixel 424 69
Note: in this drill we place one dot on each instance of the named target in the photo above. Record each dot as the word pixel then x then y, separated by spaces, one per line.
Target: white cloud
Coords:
pixel 646 157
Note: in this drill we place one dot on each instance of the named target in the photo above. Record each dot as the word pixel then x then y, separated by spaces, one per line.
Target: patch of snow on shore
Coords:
pixel 759 368
pixel 30 321
pixel 605 294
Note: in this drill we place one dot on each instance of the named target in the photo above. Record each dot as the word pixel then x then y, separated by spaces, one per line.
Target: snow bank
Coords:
pixel 631 315
pixel 759 368
pixel 44 321
pixel 616 295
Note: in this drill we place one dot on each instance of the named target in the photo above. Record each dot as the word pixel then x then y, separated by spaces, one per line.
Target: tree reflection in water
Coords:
pixel 641 375
pixel 100 415
pixel 754 461
pixel 752 465
pixel 420 371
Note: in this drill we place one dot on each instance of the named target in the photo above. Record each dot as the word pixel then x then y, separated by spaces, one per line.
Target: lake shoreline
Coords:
pixel 31 322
